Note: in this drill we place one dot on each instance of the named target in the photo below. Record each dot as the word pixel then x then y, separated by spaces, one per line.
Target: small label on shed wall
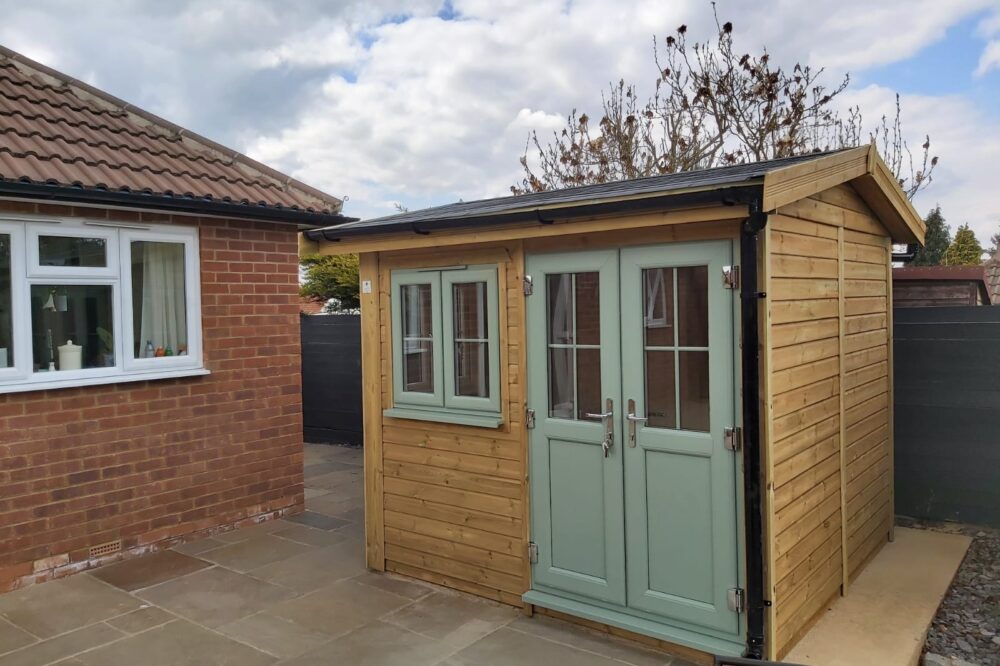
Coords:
pixel 366 286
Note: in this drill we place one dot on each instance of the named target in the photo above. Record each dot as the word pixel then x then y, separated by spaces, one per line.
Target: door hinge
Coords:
pixel 529 286
pixel 731 277
pixel 733 438
pixel 529 418
pixel 736 599
pixel 532 552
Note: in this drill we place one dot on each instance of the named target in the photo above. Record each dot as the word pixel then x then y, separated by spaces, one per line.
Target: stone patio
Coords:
pixel 292 591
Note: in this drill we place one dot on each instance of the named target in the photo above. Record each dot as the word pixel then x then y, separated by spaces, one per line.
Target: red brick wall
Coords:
pixel 155 462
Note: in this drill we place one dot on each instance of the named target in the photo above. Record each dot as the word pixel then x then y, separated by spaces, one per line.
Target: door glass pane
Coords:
pixel 692 305
pixel 471 344
pixel 559 289
pixel 72 251
pixel 574 335
pixel 588 308
pixel 694 390
pixel 562 383
pixel 159 308
pixel 661 400
pixel 658 306
pixel 72 327
pixel 588 382
pixel 418 349
pixel 6 305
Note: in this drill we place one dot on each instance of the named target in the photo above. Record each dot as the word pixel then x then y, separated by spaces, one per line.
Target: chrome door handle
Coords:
pixel 632 420
pixel 608 417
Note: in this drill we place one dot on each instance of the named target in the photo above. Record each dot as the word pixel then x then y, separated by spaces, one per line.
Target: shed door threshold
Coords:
pixel 665 632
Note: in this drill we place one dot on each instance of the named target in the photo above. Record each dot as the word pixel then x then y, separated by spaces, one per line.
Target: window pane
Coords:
pixel 559 289
pixel 661 400
pixel 692 305
pixel 561 383
pixel 694 390
pixel 72 251
pixel 72 327
pixel 588 382
pixel 470 310
pixel 6 305
pixel 418 366
pixel 417 322
pixel 658 306
pixel 159 307
pixel 472 374
pixel 588 308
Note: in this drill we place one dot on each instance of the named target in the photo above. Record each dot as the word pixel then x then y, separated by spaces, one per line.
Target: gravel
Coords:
pixel 966 629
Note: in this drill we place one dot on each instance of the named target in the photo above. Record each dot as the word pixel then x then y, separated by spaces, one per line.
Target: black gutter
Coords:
pixel 732 196
pixel 172 204
pixel 752 479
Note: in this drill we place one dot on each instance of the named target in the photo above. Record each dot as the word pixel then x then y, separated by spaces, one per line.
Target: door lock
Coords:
pixel 608 418
pixel 632 420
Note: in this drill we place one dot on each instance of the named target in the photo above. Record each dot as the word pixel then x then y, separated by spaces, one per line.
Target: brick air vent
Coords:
pixel 106 548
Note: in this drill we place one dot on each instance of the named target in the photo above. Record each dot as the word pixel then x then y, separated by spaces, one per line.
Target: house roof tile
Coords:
pixel 57 130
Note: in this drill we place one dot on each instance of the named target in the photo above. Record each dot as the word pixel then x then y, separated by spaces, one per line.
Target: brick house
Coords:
pixel 149 340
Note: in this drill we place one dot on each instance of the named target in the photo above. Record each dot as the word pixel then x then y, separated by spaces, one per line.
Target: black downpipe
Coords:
pixel 750 296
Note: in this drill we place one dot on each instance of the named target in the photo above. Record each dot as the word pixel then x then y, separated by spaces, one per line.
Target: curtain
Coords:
pixel 164 314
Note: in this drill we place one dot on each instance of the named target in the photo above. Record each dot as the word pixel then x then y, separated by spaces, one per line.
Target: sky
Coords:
pixel 425 102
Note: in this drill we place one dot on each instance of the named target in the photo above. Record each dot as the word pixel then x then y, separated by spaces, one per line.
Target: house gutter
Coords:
pixel 171 204
pixel 752 481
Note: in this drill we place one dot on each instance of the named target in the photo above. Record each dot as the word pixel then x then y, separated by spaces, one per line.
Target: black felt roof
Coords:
pixel 475 212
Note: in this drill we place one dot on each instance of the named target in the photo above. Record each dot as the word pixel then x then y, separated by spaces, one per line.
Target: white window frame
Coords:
pixel 26 271
pixel 192 298
pixel 107 234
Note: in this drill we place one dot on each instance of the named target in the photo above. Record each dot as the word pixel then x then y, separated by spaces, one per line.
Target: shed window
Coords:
pixel 88 302
pixel 445 342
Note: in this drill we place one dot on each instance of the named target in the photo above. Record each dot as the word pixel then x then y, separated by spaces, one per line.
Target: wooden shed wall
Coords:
pixel 452 498
pixel 826 398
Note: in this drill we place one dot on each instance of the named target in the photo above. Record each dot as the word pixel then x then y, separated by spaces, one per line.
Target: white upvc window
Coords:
pixel 86 302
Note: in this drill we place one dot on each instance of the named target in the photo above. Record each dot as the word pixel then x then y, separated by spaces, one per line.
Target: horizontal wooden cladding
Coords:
pixel 788 266
pixel 799 245
pixel 423 565
pixel 454 441
pixel 450 460
pixel 443 512
pixel 796 333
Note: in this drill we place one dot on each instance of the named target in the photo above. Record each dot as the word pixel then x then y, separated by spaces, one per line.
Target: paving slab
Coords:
pixel 411 589
pixel 140 620
pixel 255 552
pixel 64 645
pixel 62 605
pixel 506 647
pixel 215 596
pixel 177 643
pixel 318 520
pixel 198 546
pixel 316 568
pixel 458 620
pixel 311 536
pixel 377 644
pixel 339 608
pixel 275 635
pixel 568 634
pixel 148 570
pixel 885 616
pixel 12 637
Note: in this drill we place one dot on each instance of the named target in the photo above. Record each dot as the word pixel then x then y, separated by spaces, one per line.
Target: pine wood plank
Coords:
pixel 371 376
pixel 459 516
pixel 786 403
pixel 798 289
pixel 803 353
pixel 477 483
pixel 802 375
pixel 453 550
pixel 465 462
pixel 786 312
pixel 788 266
pixel 502 506
pixel 437 438
pixel 469 573
pixel 803 246
pixel 803 331
pixel 803 418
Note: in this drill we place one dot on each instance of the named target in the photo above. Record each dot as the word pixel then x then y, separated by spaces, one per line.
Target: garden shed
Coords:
pixel 661 407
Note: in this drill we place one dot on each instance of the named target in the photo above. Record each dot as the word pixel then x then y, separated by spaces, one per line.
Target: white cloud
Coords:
pixel 383 101
pixel 990 59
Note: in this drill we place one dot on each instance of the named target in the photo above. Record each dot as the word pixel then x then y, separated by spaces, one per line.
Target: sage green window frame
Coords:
pixel 443 405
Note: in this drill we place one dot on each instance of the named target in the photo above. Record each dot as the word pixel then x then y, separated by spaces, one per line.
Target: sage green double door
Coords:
pixel 633 492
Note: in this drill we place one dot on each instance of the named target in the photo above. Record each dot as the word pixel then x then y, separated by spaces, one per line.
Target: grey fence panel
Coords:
pixel 331 378
pixel 947 413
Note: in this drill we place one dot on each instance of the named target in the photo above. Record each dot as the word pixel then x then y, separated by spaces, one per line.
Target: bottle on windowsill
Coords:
pixel 150 351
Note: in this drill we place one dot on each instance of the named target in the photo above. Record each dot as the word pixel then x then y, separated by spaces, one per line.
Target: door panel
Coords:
pixel 680 483
pixel 577 508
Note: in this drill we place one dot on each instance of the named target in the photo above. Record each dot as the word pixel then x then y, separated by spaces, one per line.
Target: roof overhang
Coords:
pixel 45 193
pixel 864 169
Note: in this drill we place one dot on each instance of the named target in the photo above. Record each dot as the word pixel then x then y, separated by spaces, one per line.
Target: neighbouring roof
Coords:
pixel 976 274
pixel 766 185
pixel 60 132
